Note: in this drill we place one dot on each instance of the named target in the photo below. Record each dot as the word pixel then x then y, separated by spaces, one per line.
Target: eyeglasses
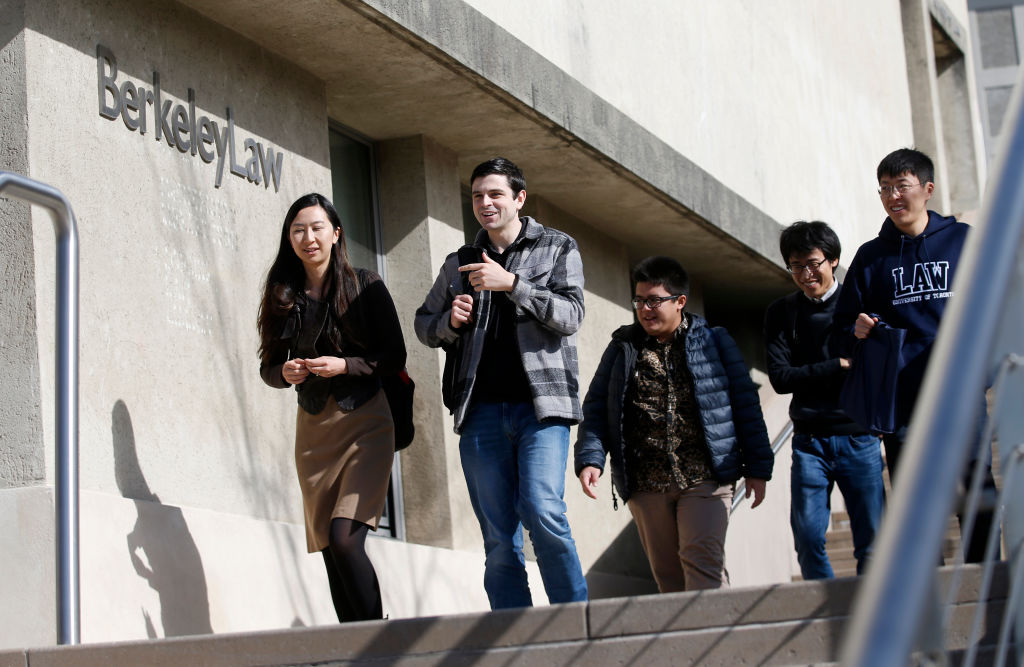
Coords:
pixel 902 189
pixel 813 265
pixel 653 302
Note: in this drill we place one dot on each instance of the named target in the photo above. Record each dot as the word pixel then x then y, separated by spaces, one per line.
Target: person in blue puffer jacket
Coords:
pixel 672 404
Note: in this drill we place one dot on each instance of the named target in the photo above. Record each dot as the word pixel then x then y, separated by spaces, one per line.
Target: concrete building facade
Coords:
pixel 997 36
pixel 182 131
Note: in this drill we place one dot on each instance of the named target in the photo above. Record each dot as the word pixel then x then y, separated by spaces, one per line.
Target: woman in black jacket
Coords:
pixel 331 331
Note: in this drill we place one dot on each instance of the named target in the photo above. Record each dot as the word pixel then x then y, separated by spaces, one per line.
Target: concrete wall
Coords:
pixel 21 451
pixel 791 105
pixel 170 270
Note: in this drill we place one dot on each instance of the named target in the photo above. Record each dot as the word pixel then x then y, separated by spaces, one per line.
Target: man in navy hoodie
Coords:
pixel 904 278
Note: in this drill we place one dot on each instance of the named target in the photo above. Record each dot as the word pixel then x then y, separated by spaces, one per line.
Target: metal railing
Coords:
pixel 980 335
pixel 739 495
pixel 66 482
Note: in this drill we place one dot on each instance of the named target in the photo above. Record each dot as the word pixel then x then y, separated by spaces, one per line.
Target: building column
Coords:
pixel 28 557
pixel 942 107
pixel 421 221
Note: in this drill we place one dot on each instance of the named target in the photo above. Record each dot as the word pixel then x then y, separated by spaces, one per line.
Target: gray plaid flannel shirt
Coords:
pixel 549 310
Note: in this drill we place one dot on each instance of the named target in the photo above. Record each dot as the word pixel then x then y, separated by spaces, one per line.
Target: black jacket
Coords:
pixel 380 344
pixel 803 361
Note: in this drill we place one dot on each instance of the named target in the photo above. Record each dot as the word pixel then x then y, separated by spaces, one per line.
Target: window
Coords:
pixel 996 30
pixel 354 194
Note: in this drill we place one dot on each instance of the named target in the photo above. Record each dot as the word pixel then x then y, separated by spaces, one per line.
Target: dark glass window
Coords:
pixel 354 194
pixel 352 181
pixel 999 39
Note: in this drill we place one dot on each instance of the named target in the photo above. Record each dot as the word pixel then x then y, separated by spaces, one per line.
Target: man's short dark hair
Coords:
pixel 907 160
pixel 801 238
pixel 502 167
pixel 663 271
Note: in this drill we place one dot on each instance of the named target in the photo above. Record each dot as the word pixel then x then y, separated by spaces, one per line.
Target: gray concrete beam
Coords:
pixel 443 70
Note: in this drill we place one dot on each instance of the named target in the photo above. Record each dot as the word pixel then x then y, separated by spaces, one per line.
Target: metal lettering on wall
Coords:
pixel 179 127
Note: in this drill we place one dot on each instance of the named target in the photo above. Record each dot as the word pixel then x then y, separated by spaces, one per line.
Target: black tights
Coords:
pixel 354 586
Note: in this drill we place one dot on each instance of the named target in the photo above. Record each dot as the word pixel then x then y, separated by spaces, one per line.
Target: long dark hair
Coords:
pixel 286 279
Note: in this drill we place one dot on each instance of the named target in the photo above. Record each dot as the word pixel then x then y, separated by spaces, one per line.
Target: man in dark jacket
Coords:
pixel 673 405
pixel 828 447
pixel 507 317
pixel 904 278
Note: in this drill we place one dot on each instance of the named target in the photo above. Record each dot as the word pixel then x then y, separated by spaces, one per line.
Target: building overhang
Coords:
pixel 441 69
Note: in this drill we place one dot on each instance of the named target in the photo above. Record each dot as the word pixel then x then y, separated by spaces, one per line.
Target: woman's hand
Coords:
pixel 327 367
pixel 294 371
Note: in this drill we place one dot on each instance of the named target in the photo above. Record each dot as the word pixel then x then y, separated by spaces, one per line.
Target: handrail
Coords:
pixel 973 502
pixel 899 588
pixel 66 482
pixel 739 495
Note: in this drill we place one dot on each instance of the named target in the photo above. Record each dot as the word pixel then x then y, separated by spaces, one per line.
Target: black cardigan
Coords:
pixel 379 343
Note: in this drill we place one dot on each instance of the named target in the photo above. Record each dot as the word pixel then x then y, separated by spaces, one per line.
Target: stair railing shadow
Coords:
pixel 672 625
pixel 623 557
pixel 396 640
pixel 783 641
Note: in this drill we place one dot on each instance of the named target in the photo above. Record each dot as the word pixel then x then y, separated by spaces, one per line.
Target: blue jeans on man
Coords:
pixel 515 470
pixel 854 462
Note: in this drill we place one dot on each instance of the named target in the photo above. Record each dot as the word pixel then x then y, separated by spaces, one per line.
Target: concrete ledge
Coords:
pixel 13 659
pixel 517 75
pixel 355 641
pixel 804 642
pixel 704 609
pixel 798 623
pixel 562 100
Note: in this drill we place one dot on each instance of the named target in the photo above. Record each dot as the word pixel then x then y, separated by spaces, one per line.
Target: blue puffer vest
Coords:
pixel 730 409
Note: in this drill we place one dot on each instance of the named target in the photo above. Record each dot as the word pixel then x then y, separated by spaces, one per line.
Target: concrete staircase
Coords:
pixel 788 624
pixel 839 539
pixel 839 545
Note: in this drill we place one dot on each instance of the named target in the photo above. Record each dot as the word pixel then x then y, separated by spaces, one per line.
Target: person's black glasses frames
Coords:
pixel 653 302
pixel 812 265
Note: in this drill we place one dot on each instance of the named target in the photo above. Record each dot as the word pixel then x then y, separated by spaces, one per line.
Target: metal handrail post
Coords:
pixel 892 600
pixel 66 481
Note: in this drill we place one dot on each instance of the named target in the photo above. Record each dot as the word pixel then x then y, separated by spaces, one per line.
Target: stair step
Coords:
pixel 839 545
pixel 799 623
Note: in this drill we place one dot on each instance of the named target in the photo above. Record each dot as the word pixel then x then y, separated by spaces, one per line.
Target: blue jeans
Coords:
pixel 854 462
pixel 515 471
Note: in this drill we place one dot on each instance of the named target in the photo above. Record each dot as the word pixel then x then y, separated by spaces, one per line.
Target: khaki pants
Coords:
pixel 683 534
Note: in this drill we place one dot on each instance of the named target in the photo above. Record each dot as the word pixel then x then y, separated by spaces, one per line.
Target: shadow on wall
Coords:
pixel 160 545
pixel 622 569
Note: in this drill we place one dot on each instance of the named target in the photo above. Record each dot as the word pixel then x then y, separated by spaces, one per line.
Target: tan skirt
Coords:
pixel 343 460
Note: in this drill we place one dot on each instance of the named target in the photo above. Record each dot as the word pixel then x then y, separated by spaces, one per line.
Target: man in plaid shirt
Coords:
pixel 506 310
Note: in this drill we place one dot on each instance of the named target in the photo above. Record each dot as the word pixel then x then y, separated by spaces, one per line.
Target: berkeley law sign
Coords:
pixel 179 127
